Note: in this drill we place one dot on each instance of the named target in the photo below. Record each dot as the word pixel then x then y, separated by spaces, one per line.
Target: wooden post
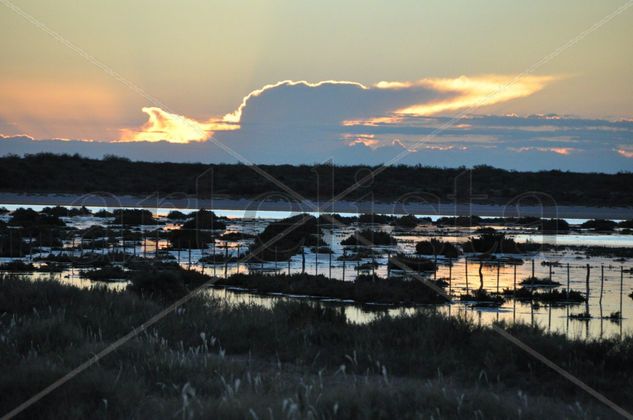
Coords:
pixel 435 263
pixel 226 259
pixel 450 276
pixel 498 270
pixel 568 281
pixel 550 271
pixel 532 267
pixel 237 260
pixel 214 262
pixel 481 275
pixel 388 266
pixel 144 236
pixel 601 283
pixel 621 290
pixel 303 260
pixel 587 290
pixel 288 266
pixel 316 260
pixel 344 258
pixel 330 264
pixel 515 280
pixel 466 268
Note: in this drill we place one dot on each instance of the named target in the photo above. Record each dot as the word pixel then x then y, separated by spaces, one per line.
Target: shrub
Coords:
pixel 368 237
pixel 133 217
pixel 176 215
pixel 203 219
pixel 599 225
pixel 437 247
pixel 408 221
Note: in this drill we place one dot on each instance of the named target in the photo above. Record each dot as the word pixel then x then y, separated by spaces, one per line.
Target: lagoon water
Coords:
pixel 608 292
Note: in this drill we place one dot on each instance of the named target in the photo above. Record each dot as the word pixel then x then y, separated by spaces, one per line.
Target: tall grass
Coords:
pixel 294 360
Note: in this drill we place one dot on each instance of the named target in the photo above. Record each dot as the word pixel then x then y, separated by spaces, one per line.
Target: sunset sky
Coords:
pixel 523 85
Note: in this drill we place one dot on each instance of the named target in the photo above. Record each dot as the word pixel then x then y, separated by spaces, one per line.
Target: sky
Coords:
pixel 518 85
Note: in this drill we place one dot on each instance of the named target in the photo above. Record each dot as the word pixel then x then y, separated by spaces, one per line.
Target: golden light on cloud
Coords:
pixel 471 92
pixel 458 93
pixel 564 151
pixel 162 125
pixel 626 152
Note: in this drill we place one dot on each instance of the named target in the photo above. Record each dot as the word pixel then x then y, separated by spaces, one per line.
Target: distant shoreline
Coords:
pixel 251 206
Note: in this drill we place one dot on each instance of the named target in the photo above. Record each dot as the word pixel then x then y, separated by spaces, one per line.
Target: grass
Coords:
pixel 293 360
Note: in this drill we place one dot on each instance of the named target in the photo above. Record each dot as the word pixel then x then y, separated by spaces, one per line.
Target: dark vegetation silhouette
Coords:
pixel 47 172
pixel 212 360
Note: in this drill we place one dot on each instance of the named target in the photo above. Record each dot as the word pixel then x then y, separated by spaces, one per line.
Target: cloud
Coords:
pixel 298 122
pixel 626 151
pixel 333 102
pixel 174 128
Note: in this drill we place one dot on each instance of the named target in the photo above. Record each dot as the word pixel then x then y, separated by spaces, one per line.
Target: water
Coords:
pixel 604 297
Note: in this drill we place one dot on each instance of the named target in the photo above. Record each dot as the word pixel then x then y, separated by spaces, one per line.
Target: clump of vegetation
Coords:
pixel 17 266
pixel 408 222
pixel 411 263
pixel 4 210
pixel 204 219
pixel 134 217
pixel 59 211
pixel 599 225
pixel 103 214
pixel 176 215
pixel 481 297
pixel 549 296
pixel 368 237
pixel 437 247
pixel 12 244
pixel 491 241
pixel 32 220
pixel 628 224
pixel 373 218
pixel 110 273
pixel 166 285
pixel 335 219
pixel 282 239
pixel 554 226
pixel 460 221
pixel 236 236
pixel 189 238
pixel 321 250
pixel 366 289
pixel 539 282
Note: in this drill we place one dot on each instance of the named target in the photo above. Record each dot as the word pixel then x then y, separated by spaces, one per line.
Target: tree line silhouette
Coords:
pixel 45 172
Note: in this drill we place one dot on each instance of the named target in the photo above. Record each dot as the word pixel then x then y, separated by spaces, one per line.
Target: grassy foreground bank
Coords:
pixel 295 360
